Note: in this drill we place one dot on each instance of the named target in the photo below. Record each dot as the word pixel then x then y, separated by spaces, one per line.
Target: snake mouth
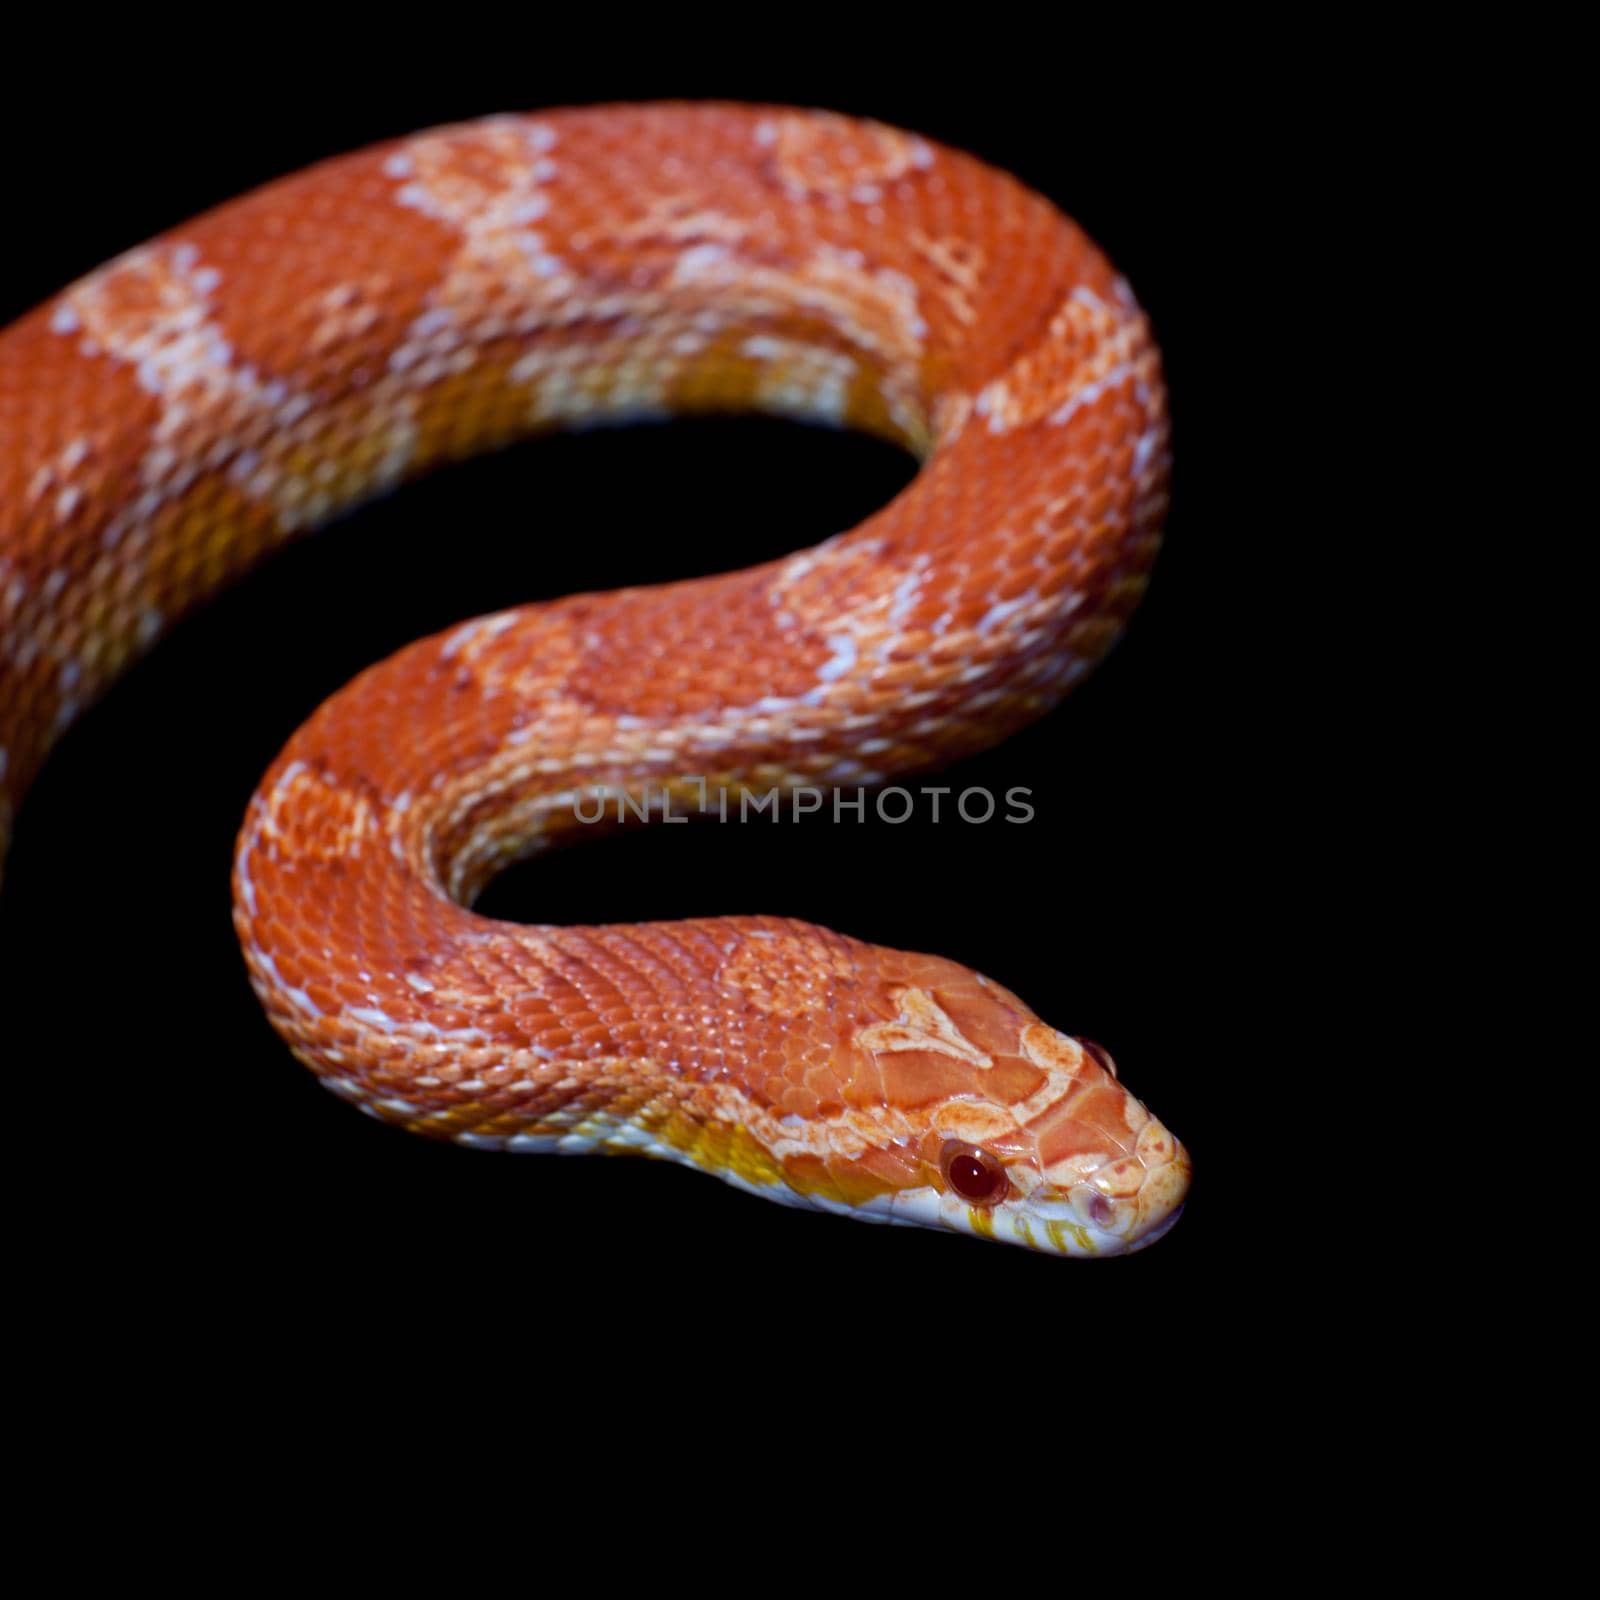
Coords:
pixel 1083 1221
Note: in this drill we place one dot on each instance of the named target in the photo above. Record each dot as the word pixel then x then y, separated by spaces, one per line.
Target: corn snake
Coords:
pixel 244 378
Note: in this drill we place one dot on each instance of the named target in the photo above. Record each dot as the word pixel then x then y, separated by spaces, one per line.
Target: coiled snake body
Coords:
pixel 171 418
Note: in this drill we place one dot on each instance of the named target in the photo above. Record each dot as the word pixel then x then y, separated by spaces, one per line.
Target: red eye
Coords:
pixel 974 1174
pixel 1099 1053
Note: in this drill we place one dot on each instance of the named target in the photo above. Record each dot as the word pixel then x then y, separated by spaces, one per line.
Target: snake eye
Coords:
pixel 974 1174
pixel 1098 1053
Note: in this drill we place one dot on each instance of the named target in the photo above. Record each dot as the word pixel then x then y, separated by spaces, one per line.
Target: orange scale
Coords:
pixel 346 990
pixel 797 1101
pixel 807 1175
pixel 893 1168
pixel 855 1181
pixel 1017 576
pixel 821 1081
pixel 1061 579
pixel 290 963
pixel 914 1078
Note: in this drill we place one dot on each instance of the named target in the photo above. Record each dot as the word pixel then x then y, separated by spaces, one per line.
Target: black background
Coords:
pixel 188 1162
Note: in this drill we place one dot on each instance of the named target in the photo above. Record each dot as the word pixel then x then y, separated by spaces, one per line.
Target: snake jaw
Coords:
pixel 1086 1220
pixel 1082 1220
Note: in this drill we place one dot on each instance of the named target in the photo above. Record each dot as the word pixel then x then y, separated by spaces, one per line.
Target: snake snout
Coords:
pixel 1162 1195
pixel 1136 1198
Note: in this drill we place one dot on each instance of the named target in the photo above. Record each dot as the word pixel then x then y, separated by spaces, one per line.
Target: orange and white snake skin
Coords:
pixel 182 411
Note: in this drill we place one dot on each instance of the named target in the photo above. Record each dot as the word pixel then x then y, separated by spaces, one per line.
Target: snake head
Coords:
pixel 1081 1167
pixel 1021 1133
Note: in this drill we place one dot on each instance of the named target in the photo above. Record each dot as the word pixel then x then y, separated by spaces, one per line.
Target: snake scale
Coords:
pixel 171 418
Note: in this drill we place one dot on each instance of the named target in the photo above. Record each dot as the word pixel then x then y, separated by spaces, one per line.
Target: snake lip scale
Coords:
pixel 173 417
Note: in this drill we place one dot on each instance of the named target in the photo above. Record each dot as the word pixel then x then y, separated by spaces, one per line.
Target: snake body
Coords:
pixel 174 416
